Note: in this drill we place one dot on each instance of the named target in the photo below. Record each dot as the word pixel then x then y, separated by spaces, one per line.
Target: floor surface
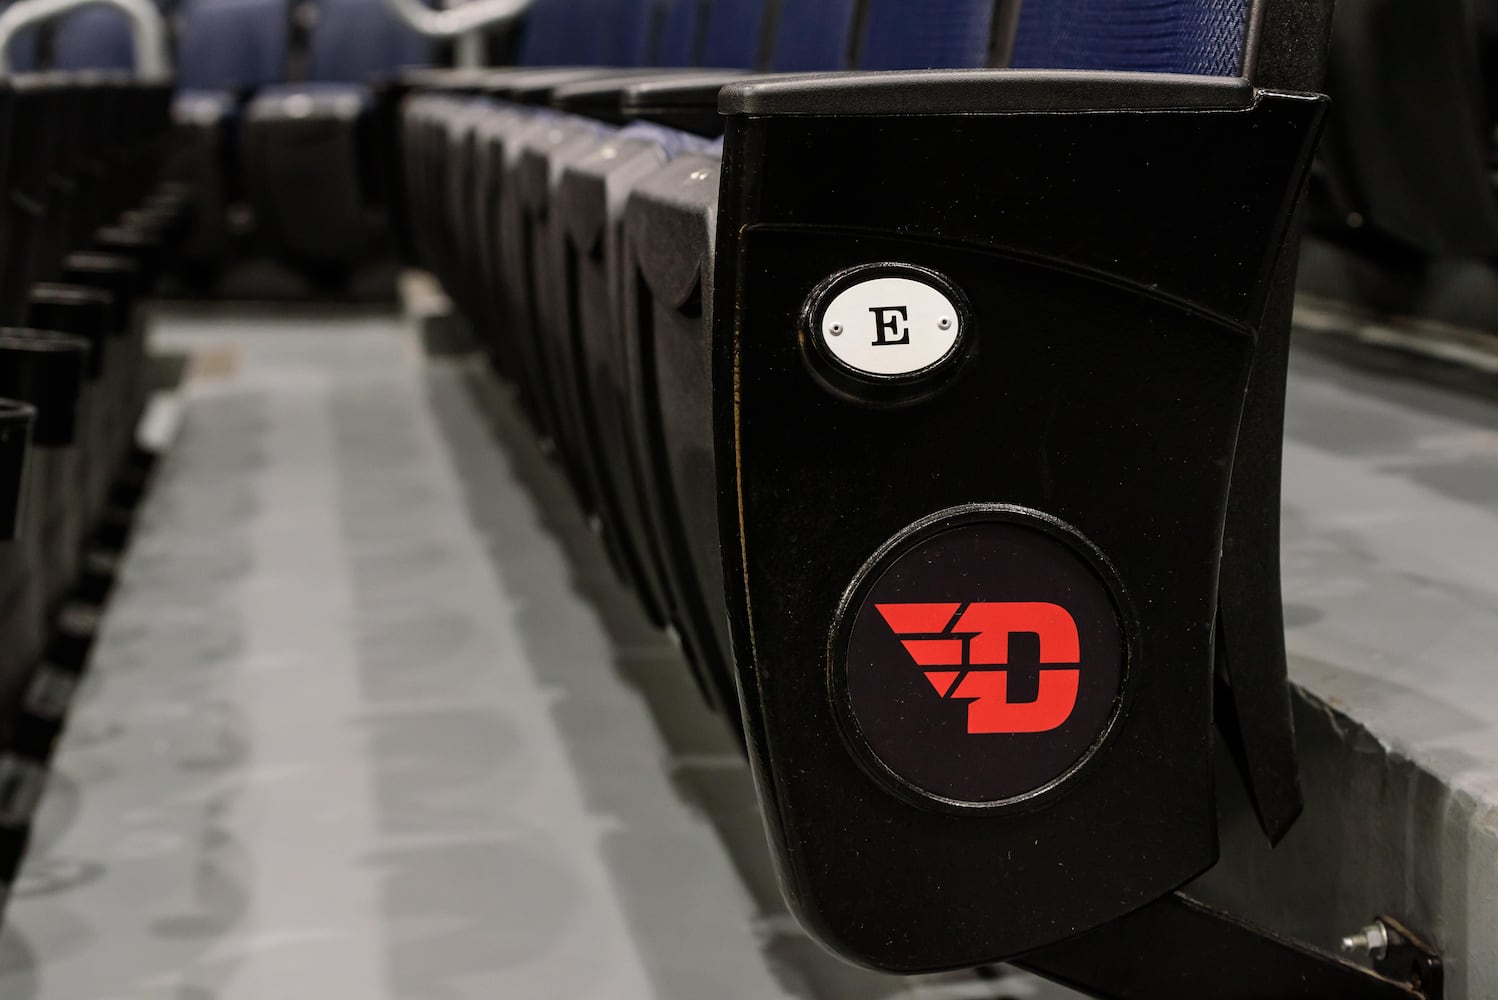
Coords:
pixel 370 719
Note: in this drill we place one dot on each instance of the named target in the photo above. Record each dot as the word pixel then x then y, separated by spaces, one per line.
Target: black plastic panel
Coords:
pixel 1117 265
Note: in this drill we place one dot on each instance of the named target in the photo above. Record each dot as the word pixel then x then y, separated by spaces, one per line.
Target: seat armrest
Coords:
pixel 689 103
pixel 694 102
pixel 978 92
pixel 448 80
pixel 691 93
pixel 536 87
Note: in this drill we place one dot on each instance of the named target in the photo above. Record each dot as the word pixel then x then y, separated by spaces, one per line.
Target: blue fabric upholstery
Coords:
pixel 812 35
pixel 94 38
pixel 359 40
pixel 678 38
pixel 735 29
pixel 928 34
pixel 23 50
pixel 1164 36
pixel 620 31
pixel 550 35
pixel 232 44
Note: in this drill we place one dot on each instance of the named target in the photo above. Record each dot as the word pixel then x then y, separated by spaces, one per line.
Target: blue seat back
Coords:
pixel 813 35
pixel 229 44
pixel 1206 37
pixel 22 51
pixel 550 35
pixel 620 31
pixel 679 34
pixel 356 41
pixel 735 34
pixel 94 38
pixel 625 33
pixel 928 34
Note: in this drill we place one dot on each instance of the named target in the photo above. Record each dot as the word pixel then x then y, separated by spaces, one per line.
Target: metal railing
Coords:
pixel 153 60
pixel 464 22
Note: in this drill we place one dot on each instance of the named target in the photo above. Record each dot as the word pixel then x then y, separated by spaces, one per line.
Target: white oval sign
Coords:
pixel 891 326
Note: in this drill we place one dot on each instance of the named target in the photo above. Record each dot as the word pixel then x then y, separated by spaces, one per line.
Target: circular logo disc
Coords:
pixel 986 658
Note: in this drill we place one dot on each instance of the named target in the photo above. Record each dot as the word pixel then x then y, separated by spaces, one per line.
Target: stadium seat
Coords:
pixel 469 150
pixel 920 365
pixel 592 365
pixel 93 38
pixel 84 230
pixel 742 359
pixel 231 46
pixel 526 153
pixel 1071 388
pixel 544 317
pixel 605 366
pixel 309 147
pixel 226 51
pixel 46 371
pixel 91 314
pixel 499 162
pixel 359 42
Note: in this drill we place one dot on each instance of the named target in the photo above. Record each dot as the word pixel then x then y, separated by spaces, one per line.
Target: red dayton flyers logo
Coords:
pixel 979 638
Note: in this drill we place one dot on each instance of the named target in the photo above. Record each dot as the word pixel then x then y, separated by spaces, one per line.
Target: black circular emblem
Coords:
pixel 984 656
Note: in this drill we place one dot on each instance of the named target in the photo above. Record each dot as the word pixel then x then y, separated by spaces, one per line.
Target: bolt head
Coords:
pixel 1372 940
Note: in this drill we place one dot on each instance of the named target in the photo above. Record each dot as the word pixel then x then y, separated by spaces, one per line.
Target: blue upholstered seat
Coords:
pixel 735 34
pixel 356 41
pixel 932 34
pixel 94 38
pixel 1163 36
pixel 232 44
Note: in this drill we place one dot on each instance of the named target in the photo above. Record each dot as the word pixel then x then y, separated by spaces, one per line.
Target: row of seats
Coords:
pixel 84 232
pixel 856 363
pixel 235 59
pixel 239 45
pixel 519 214
pixel 299 150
